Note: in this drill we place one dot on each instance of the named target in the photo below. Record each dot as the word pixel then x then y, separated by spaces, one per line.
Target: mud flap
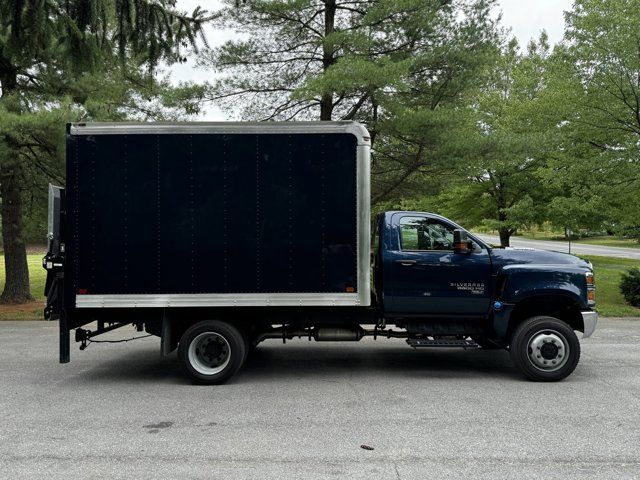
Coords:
pixel 65 342
pixel 167 341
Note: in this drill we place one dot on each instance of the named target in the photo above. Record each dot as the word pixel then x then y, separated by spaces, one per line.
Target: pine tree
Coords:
pixel 288 43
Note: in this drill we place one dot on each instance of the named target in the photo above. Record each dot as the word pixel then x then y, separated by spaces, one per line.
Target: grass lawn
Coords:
pixel 609 300
pixel 608 271
pixel 37 276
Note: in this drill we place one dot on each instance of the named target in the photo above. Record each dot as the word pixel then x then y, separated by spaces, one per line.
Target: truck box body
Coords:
pixel 217 214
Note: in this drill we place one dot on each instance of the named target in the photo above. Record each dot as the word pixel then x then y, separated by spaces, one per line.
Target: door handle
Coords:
pixel 406 263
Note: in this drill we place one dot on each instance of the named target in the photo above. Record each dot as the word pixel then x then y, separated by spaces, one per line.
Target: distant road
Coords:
pixel 576 248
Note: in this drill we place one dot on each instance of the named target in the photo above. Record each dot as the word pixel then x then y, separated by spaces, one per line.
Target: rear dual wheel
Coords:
pixel 545 349
pixel 211 352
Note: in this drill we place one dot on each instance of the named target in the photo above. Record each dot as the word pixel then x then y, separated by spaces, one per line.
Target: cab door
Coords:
pixel 427 277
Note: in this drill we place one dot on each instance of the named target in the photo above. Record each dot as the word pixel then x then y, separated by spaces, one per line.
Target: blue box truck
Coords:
pixel 217 236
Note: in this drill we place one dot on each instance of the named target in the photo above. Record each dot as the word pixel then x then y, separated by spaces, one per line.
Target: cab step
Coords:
pixel 426 342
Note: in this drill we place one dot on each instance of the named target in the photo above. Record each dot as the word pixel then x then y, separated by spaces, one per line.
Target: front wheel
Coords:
pixel 545 349
pixel 211 352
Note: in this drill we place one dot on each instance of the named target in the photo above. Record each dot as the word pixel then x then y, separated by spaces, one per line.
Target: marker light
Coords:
pixel 591 289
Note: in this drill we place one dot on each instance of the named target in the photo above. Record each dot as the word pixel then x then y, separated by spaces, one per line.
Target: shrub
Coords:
pixel 630 286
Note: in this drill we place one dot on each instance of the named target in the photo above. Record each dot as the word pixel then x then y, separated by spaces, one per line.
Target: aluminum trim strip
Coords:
pixel 364 223
pixel 194 128
pixel 217 300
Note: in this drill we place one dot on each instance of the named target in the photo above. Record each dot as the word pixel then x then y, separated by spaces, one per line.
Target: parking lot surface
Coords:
pixel 303 410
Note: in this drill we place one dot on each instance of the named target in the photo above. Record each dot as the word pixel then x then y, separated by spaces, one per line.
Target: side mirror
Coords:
pixel 461 242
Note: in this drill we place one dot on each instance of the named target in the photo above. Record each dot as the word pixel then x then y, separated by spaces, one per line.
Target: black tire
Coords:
pixel 211 352
pixel 537 360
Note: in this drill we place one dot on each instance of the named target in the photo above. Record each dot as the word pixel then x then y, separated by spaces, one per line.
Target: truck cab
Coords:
pixel 437 280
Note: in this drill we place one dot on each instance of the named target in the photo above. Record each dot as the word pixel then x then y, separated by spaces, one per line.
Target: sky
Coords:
pixel 525 18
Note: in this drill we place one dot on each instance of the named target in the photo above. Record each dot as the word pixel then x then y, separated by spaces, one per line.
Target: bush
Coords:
pixel 630 286
pixel 630 232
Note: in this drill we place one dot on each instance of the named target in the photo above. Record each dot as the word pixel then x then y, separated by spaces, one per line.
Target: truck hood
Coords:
pixel 527 256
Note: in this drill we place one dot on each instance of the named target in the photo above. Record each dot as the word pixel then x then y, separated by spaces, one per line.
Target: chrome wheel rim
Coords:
pixel 548 350
pixel 209 353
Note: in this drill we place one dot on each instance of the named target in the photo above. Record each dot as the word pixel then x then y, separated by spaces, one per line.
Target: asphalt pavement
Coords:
pixel 557 246
pixel 303 410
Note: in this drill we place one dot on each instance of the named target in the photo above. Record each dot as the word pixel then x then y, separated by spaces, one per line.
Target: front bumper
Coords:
pixel 589 321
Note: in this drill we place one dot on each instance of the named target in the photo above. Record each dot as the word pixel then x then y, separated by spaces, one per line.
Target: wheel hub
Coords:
pixel 548 350
pixel 209 353
pixel 212 350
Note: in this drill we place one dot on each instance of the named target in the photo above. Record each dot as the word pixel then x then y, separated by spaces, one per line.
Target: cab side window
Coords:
pixel 419 233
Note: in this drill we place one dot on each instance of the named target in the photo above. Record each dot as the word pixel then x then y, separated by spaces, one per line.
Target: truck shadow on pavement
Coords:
pixel 271 362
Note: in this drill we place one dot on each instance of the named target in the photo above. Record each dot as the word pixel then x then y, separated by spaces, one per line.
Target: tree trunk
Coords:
pixel 326 107
pixel 504 232
pixel 16 288
pixel 505 236
pixel 328 57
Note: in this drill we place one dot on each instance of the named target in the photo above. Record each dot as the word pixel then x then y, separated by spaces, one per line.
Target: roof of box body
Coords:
pixel 125 128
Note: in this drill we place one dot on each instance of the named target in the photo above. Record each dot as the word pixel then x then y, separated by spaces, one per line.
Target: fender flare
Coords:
pixel 502 319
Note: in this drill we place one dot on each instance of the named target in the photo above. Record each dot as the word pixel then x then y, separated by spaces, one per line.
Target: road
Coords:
pixel 576 248
pixel 303 410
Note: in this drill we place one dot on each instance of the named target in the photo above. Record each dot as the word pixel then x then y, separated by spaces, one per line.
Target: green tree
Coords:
pixel 597 87
pixel 46 49
pixel 503 153
pixel 286 43
pixel 441 56
pixel 573 212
